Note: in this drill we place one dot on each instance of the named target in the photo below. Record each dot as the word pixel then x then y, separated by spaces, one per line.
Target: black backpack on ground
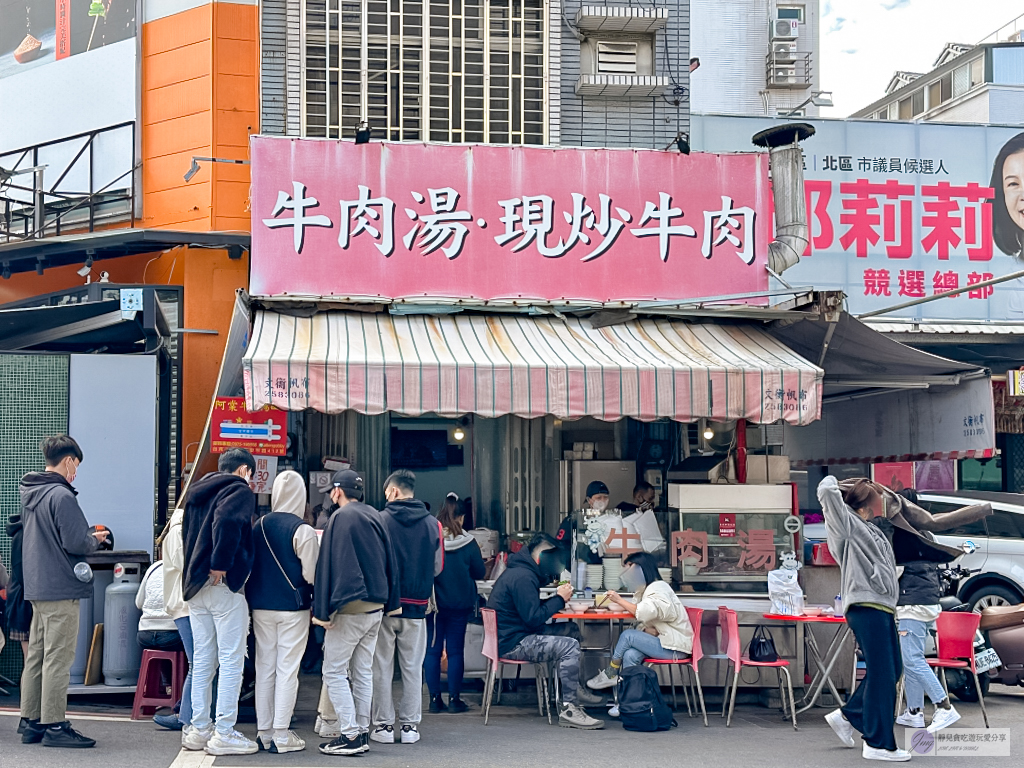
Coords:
pixel 641 705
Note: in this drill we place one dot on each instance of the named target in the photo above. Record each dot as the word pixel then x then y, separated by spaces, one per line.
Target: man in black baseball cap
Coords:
pixel 356 584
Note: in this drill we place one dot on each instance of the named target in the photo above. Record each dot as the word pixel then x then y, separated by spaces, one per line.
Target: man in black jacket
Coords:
pixel 525 635
pixel 356 583
pixel 416 536
pixel 56 539
pixel 217 534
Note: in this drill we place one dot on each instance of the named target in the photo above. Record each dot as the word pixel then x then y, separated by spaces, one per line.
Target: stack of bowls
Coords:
pixel 595 576
pixel 666 574
pixel 612 572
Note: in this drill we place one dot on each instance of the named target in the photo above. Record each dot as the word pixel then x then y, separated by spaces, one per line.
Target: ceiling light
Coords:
pixel 709 433
pixel 459 434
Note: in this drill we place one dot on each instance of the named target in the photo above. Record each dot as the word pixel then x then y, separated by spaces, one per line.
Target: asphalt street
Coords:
pixel 518 738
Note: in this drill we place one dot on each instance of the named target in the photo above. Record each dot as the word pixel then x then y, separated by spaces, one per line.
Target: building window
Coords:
pixel 905 110
pixel 977 71
pixel 791 12
pixel 458 70
pixel 917 102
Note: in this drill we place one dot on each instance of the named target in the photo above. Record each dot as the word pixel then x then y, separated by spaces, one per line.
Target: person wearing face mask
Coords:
pixel 643 498
pixel 664 630
pixel 217 534
pixel 597 499
pixel 56 539
pixel 525 635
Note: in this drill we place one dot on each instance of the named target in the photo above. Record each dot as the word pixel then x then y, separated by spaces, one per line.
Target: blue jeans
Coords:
pixel 447 631
pixel 635 645
pixel 918 677
pixel 185 630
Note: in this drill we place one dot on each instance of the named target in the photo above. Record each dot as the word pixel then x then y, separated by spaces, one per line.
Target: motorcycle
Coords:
pixel 987 658
pixel 1004 630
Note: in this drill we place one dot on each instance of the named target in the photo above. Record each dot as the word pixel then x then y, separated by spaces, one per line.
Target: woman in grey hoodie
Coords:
pixel 456 598
pixel 870 592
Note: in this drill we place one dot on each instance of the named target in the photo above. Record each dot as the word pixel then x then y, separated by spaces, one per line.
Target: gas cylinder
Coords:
pixel 122 655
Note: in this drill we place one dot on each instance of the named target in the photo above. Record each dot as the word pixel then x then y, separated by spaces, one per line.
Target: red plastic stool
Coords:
pixel 150 695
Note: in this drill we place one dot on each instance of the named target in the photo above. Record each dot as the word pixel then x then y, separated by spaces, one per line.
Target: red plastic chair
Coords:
pixel 734 653
pixel 495 664
pixel 150 694
pixel 956 648
pixel 696 616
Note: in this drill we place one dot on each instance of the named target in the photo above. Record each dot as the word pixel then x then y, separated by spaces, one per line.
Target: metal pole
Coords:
pixel 943 295
pixel 40 201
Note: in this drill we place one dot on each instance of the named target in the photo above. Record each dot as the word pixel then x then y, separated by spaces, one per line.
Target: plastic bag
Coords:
pixel 785 593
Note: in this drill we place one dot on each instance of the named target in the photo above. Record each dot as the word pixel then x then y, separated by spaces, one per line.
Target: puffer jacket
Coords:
pixel 660 609
pixel 174 563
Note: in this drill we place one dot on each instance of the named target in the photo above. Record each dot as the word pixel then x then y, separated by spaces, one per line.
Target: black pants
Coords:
pixel 870 709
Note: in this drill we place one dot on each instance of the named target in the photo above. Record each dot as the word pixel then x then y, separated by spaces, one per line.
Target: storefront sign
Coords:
pixel 895 475
pixel 1015 383
pixel 266 473
pixel 727 524
pixel 263 433
pixel 901 211
pixel 393 221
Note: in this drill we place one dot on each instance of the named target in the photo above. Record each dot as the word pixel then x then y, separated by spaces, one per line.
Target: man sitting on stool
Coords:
pixel 525 635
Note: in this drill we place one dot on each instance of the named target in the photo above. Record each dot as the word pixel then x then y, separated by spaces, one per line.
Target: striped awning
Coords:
pixel 493 365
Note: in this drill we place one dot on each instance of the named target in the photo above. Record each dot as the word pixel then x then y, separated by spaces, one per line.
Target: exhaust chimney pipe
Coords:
pixel 792 230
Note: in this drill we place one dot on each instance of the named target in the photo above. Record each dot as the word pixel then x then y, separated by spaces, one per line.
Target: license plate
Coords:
pixel 986 660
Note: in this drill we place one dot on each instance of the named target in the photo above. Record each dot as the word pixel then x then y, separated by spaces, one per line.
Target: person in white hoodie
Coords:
pixel 280 594
pixel 664 630
pixel 177 609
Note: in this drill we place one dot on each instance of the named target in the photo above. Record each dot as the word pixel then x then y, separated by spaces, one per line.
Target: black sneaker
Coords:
pixel 343 745
pixel 64 736
pixel 364 741
pixel 33 732
pixel 458 706
pixel 437 705
pixel 24 723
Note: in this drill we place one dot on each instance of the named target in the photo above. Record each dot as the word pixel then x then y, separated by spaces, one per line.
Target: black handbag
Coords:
pixel 762 646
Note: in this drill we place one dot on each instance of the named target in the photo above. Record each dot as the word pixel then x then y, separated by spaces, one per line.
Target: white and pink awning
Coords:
pixel 493 365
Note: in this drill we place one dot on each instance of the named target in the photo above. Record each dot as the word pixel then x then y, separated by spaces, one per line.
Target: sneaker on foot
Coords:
pixel 911 719
pixel 329 729
pixel 364 741
pixel 437 705
pixel 170 722
pixel 382 734
pixel 33 732
pixel 842 727
pixel 886 755
pixel 587 698
pixel 343 745
pixel 64 736
pixel 232 743
pixel 265 740
pixel 943 718
pixel 458 706
pixel 410 734
pixel 24 723
pixel 287 741
pixel 601 681
pixel 572 716
pixel 194 739
pixel 613 710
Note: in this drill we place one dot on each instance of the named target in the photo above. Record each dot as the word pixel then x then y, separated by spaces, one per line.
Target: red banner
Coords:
pixel 396 221
pixel 262 433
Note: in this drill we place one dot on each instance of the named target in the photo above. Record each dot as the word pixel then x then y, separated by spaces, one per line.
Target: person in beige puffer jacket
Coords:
pixel 663 630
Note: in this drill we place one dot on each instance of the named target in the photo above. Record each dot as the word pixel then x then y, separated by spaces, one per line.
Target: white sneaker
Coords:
pixel 410 734
pixel 911 720
pixel 886 755
pixel 842 727
pixel 601 681
pixel 194 739
pixel 943 718
pixel 265 740
pixel 233 743
pixel 383 734
pixel 613 710
pixel 287 741
pixel 329 729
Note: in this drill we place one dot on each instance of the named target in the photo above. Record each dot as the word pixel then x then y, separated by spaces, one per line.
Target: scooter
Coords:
pixel 959 681
pixel 1004 630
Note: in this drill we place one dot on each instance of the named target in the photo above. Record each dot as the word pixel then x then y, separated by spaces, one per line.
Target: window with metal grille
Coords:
pixel 456 70
pixel 616 58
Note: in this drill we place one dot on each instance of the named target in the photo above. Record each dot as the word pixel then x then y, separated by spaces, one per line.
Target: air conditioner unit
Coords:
pixel 785 29
pixel 783 75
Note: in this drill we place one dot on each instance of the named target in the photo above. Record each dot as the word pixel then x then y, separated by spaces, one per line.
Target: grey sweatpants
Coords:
pixel 407 638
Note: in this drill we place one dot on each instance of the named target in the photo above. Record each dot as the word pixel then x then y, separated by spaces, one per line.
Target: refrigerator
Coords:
pixel 575 476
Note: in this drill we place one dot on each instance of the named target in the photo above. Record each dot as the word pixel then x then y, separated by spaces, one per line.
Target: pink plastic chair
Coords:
pixel 696 616
pixel 495 663
pixel 730 628
pixel 956 648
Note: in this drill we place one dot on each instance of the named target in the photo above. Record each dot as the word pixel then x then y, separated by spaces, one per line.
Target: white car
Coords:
pixel 998 540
